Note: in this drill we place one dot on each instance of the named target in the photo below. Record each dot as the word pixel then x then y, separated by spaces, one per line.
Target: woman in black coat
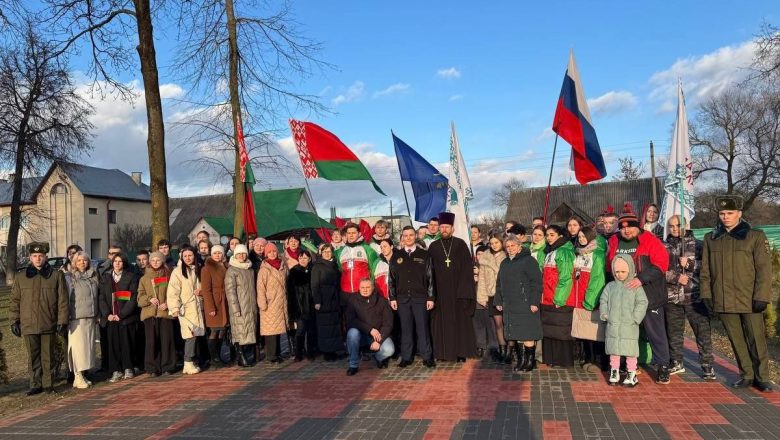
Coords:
pixel 518 294
pixel 300 307
pixel 118 301
pixel 325 294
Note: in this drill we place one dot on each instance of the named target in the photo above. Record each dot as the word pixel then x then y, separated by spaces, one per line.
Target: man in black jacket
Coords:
pixel 369 324
pixel 410 287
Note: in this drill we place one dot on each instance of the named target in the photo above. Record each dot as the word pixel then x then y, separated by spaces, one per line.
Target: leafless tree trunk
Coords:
pixel 106 26
pixel 259 60
pixel 42 119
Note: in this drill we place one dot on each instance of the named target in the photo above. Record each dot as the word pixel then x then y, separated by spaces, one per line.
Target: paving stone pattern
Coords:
pixel 475 400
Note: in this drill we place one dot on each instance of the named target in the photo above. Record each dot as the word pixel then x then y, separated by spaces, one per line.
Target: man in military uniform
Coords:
pixel 39 308
pixel 736 282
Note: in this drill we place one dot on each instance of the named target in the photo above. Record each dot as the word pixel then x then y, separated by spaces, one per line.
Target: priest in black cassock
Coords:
pixel 452 331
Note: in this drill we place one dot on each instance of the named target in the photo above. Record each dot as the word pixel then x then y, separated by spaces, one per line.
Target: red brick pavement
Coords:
pixel 470 401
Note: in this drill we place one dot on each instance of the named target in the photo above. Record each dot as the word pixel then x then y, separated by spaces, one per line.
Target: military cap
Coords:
pixel 38 247
pixel 729 203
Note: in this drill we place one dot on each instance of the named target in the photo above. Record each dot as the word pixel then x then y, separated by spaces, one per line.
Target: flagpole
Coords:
pixel 549 180
pixel 403 187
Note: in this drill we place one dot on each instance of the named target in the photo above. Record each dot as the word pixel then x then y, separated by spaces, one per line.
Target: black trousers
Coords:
pixel 40 351
pixel 306 332
pixel 121 343
pixel 484 328
pixel 160 353
pixel 103 348
pixel 655 330
pixel 697 316
pixel 414 320
pixel 272 346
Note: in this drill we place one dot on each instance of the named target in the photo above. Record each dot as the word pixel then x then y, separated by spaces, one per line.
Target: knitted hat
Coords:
pixel 217 248
pixel 158 255
pixel 268 247
pixel 240 249
pixel 628 217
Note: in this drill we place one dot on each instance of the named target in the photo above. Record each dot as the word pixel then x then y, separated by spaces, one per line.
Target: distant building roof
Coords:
pixel 582 200
pixel 29 188
pixel 106 183
pixel 186 211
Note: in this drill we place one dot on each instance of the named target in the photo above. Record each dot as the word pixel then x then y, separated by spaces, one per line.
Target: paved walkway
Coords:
pixel 455 401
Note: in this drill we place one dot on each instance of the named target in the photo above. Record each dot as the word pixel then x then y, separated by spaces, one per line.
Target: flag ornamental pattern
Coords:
pixel 678 186
pixel 243 155
pixel 323 155
pixel 460 192
pixel 248 177
pixel 428 184
pixel 572 122
pixel 123 295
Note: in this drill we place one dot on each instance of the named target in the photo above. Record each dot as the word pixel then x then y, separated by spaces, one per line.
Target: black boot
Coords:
pixel 530 353
pixel 522 359
pixel 299 341
pixel 499 354
pixel 508 354
pixel 213 345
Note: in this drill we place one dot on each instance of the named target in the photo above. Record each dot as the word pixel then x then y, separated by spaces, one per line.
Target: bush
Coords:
pixel 770 315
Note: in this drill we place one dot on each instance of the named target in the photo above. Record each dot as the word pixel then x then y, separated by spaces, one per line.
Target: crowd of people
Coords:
pixel 607 297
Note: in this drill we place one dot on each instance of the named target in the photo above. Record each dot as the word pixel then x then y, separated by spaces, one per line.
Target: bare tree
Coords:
pixel 736 139
pixel 109 29
pixel 630 169
pixel 491 221
pixel 42 118
pixel 504 192
pixel 132 237
pixel 255 61
pixel 766 62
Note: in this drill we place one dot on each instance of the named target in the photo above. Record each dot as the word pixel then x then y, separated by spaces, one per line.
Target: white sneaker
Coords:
pixel 79 381
pixel 129 374
pixel 116 377
pixel 190 368
pixel 614 376
pixel 631 380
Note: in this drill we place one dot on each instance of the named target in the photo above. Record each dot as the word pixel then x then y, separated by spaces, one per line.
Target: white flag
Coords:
pixel 460 193
pixel 678 186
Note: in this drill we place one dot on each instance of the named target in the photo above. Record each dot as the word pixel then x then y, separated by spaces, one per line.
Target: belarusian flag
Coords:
pixel 248 177
pixel 324 155
pixel 123 295
pixel 160 282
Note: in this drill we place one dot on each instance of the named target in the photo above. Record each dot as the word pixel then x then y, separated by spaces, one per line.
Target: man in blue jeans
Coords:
pixel 369 324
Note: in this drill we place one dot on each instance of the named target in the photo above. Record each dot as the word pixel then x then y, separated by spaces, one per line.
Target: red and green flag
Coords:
pixel 160 282
pixel 122 295
pixel 324 155
pixel 248 177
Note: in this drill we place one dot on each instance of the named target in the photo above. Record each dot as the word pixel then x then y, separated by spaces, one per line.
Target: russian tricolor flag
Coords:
pixel 572 122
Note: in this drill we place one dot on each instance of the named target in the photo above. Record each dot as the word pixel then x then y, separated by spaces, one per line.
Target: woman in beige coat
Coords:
pixel 272 300
pixel 242 303
pixel 489 263
pixel 82 317
pixel 184 302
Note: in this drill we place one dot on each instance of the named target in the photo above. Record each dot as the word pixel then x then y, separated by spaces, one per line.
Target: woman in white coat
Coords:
pixel 185 303
pixel 82 317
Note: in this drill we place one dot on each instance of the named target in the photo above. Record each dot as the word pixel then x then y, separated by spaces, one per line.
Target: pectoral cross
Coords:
pixel 448 261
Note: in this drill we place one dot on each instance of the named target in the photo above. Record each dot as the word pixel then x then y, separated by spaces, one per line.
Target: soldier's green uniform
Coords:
pixel 39 307
pixel 736 281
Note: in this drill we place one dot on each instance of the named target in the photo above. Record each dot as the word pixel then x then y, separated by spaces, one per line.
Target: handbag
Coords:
pixel 226 349
pixel 586 324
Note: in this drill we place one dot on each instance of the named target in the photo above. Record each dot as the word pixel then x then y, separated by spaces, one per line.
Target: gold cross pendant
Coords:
pixel 447 261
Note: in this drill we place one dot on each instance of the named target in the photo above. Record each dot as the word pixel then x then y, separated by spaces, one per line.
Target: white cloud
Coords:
pixel 171 91
pixel 703 76
pixel 613 102
pixel 353 93
pixel 395 89
pixel 546 133
pixel 455 98
pixel 449 73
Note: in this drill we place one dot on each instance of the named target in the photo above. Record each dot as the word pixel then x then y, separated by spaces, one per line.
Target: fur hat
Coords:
pixel 240 249
pixel 38 247
pixel 446 218
pixel 217 248
pixel 158 255
pixel 729 203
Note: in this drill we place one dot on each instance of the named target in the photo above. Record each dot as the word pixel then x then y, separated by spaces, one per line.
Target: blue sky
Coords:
pixel 496 70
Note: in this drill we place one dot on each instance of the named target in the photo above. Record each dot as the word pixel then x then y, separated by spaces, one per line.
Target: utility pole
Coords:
pixel 652 173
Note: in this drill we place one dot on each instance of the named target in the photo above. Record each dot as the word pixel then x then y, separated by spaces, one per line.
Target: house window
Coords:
pixel 5 222
pixel 92 211
pixel 112 216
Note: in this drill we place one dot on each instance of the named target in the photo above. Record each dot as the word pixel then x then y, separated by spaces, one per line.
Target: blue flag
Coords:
pixel 428 184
